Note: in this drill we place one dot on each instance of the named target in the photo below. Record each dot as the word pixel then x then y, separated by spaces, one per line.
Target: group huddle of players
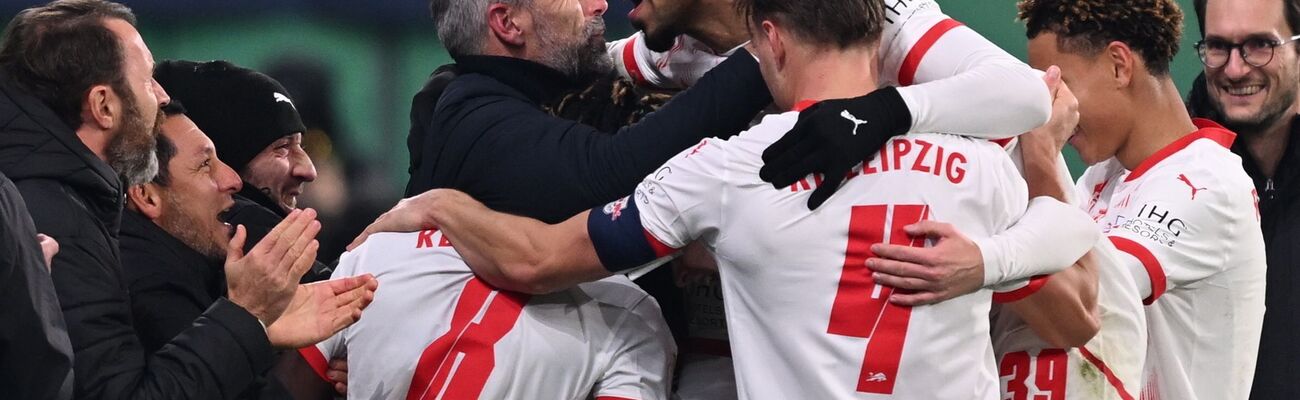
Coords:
pixel 1144 279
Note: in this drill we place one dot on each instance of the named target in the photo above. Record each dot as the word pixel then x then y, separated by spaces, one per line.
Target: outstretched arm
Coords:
pixel 511 252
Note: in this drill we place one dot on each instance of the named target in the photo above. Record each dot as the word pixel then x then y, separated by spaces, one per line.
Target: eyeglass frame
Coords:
pixel 1240 48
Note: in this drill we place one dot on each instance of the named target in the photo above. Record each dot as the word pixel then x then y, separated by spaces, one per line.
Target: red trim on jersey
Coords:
pixel 907 72
pixel 1208 130
pixel 317 361
pixel 712 347
pixel 661 249
pixel 1003 142
pixel 1035 284
pixel 629 63
pixel 803 105
pixel 1149 262
pixel 612 398
pixel 1110 375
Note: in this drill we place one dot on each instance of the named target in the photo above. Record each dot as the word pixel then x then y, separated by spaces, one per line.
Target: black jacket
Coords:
pixel 1279 209
pixel 489 136
pixel 170 283
pixel 35 355
pixel 77 199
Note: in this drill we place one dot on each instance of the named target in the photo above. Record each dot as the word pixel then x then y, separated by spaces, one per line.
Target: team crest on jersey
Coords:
pixel 615 209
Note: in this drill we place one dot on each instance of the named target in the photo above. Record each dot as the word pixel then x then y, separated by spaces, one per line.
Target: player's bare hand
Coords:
pixel 952 267
pixel 1051 137
pixel 265 280
pixel 411 214
pixel 320 309
pixel 338 373
pixel 49 247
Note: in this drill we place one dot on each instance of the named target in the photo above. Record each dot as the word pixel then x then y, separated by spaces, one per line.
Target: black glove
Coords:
pixel 832 137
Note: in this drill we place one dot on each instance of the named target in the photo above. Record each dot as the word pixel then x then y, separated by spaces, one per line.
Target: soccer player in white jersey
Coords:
pixel 806 319
pixel 438 332
pixel 1165 189
pixel 1038 359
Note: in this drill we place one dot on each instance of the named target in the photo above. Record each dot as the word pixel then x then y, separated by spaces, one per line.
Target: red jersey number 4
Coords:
pixel 862 308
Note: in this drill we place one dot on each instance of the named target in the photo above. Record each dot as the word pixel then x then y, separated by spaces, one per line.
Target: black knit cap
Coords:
pixel 243 111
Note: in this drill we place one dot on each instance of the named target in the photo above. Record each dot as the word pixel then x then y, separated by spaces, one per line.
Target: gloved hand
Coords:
pixel 832 137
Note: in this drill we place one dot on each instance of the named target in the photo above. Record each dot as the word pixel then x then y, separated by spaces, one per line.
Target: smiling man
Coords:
pixel 1252 69
pixel 173 240
pixel 253 122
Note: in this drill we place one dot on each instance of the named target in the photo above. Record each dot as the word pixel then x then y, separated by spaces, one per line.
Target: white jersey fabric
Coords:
pixel 434 331
pixel 805 319
pixel 1108 367
pixel 952 79
pixel 1186 222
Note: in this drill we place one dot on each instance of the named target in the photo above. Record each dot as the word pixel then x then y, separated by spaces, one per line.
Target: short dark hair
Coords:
pixel 838 23
pixel 166 149
pixel 58 51
pixel 1151 28
pixel 1290 8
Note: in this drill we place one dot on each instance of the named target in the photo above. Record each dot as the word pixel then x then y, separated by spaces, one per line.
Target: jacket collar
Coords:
pixel 157 241
pixel 255 195
pixel 536 81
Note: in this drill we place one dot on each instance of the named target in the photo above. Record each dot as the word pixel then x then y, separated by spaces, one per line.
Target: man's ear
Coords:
pixel 1122 63
pixel 502 21
pixel 776 41
pixel 146 199
pixel 102 107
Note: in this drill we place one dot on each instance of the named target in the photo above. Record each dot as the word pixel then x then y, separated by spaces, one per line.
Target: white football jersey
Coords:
pixel 1108 367
pixel 1186 222
pixel 435 331
pixel 805 319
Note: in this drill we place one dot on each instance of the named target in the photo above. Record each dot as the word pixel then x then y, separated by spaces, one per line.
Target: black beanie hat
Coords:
pixel 241 110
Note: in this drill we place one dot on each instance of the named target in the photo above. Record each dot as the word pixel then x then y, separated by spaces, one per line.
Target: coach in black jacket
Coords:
pixel 490 137
pixel 35 355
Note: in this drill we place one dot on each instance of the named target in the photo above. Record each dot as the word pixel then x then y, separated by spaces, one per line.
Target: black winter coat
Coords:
pixel 35 355
pixel 76 198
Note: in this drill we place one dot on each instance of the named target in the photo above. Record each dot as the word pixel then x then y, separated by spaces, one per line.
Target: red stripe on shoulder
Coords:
pixel 1035 284
pixel 661 249
pixel 612 398
pixel 1149 262
pixel 907 72
pixel 317 361
pixel 1110 375
pixel 629 63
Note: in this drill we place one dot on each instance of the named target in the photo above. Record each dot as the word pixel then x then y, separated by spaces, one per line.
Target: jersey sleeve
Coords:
pixel 675 205
pixel 335 347
pixel 1173 234
pixel 956 81
pixel 677 68
pixel 641 355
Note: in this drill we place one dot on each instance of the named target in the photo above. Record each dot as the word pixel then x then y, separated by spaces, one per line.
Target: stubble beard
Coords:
pixel 191 230
pixel 583 59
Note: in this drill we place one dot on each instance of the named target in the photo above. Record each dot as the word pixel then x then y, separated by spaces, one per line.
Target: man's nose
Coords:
pixel 1237 67
pixel 597 7
pixel 303 168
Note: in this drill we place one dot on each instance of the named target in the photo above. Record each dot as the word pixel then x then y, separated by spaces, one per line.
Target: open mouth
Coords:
pixel 224 217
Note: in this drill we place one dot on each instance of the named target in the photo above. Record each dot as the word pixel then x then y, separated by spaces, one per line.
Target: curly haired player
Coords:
pixel 1165 189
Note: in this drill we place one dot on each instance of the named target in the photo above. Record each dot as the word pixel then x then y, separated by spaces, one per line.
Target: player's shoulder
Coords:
pixel 388 251
pixel 1201 163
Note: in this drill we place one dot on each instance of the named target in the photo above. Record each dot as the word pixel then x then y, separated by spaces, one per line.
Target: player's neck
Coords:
pixel 717 24
pixel 834 74
pixel 1162 120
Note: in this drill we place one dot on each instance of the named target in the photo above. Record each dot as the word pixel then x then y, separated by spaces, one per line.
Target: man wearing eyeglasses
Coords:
pixel 1251 76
